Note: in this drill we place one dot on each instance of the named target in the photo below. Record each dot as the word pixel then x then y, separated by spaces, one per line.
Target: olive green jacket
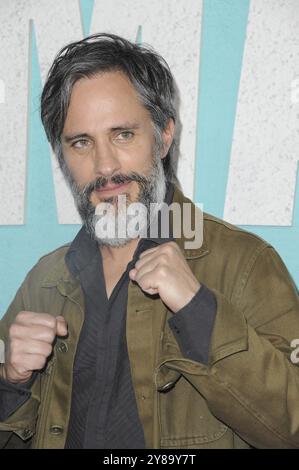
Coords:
pixel 248 394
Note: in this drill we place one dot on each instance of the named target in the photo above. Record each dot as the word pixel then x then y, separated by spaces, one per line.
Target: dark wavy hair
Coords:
pixel 147 71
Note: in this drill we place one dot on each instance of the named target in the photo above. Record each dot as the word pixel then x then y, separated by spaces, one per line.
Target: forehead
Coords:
pixel 105 97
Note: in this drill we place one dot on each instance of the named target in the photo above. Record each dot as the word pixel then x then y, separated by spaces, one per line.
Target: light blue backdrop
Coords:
pixel 223 35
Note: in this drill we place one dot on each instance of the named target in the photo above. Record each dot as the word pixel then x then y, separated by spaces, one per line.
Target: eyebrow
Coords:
pixel 70 138
pixel 123 127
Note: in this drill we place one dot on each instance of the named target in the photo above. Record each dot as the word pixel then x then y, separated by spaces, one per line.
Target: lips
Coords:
pixel 113 188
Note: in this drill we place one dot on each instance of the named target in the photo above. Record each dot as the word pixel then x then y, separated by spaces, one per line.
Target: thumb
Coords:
pixel 61 326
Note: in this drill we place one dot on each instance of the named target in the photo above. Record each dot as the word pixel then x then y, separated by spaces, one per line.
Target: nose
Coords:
pixel 106 162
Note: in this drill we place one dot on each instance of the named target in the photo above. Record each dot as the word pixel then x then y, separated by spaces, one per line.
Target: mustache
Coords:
pixel 120 178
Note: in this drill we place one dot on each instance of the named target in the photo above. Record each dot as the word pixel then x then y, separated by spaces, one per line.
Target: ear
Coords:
pixel 167 136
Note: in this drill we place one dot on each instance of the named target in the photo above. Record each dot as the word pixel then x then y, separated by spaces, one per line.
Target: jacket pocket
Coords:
pixel 186 422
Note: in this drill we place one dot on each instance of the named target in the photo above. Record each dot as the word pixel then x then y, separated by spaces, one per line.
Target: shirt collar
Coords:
pixel 84 249
pixel 60 272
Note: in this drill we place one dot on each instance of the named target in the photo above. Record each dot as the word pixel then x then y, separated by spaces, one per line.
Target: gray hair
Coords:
pixel 147 71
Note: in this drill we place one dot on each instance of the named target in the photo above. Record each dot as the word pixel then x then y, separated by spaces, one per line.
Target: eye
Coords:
pixel 125 135
pixel 80 144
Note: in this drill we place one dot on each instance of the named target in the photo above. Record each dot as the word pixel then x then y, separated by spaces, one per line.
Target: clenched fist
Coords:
pixel 30 343
pixel 163 270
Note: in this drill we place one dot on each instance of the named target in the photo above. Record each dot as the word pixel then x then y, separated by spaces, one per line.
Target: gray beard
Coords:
pixel 152 190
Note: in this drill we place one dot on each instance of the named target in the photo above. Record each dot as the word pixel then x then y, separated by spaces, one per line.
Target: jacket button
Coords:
pixel 166 387
pixel 56 429
pixel 62 347
pixel 26 433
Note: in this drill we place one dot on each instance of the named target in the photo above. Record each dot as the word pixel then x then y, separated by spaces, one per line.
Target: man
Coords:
pixel 142 342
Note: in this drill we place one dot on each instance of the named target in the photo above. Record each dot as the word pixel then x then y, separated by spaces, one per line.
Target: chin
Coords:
pixel 113 242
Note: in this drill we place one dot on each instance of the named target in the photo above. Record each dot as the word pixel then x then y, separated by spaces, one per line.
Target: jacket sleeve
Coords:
pixel 22 421
pixel 192 326
pixel 250 382
pixel 12 396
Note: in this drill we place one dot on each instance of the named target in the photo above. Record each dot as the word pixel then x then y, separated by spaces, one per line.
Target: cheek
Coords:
pixel 140 157
pixel 81 171
pixel 143 163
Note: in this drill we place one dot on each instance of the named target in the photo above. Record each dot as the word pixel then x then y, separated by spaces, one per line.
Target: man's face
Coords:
pixel 109 144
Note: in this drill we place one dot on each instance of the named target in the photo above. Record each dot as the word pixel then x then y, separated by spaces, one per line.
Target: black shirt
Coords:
pixel 104 411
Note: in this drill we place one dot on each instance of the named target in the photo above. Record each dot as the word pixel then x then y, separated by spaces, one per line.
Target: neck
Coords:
pixel 123 253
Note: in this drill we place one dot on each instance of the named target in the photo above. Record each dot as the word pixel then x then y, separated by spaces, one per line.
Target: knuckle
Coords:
pixel 13 348
pixel 40 361
pixel 163 271
pixel 34 362
pixel 173 244
pixel 137 264
pixel 168 248
pixel 48 334
pixel 143 280
pixel 13 330
pixel 47 349
pixel 22 315
pixel 15 361
pixel 50 321
pixel 164 258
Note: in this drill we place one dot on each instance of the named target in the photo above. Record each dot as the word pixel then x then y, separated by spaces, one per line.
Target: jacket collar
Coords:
pixel 60 274
pixel 190 253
